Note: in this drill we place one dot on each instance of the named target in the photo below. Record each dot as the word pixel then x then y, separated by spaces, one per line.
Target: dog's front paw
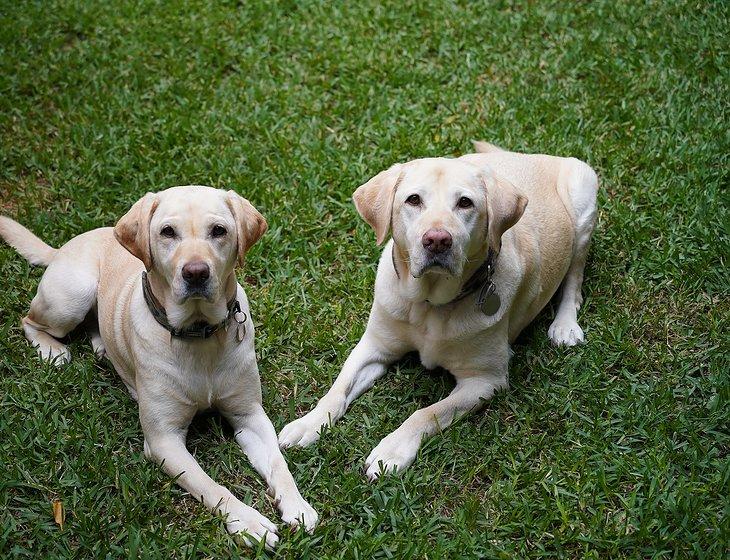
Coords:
pixel 393 454
pixel 297 512
pixel 55 354
pixel 252 526
pixel 565 333
pixel 302 432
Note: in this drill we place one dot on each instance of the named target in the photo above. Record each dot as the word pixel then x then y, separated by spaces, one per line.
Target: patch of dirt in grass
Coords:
pixel 8 204
pixel 31 191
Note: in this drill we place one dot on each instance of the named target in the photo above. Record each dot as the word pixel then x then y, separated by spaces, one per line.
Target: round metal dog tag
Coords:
pixel 491 304
pixel 240 318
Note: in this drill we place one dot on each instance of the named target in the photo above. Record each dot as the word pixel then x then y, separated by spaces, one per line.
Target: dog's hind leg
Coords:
pixel 582 187
pixel 91 326
pixel 65 296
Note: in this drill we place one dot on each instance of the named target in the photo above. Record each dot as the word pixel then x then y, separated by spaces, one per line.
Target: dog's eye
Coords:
pixel 413 200
pixel 218 231
pixel 465 202
pixel 167 231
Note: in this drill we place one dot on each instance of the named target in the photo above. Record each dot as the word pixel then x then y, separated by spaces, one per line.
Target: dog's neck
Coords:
pixel 434 289
pixel 193 310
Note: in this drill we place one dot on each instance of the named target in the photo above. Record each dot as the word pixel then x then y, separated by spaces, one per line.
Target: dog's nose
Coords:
pixel 436 240
pixel 195 273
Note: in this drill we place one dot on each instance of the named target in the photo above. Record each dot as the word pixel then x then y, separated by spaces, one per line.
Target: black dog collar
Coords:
pixel 201 329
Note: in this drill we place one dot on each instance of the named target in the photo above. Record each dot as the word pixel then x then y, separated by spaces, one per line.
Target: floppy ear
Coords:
pixel 374 200
pixel 250 224
pixel 505 206
pixel 133 229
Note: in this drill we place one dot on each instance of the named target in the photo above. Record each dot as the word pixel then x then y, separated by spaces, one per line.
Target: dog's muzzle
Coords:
pixel 196 276
pixel 438 253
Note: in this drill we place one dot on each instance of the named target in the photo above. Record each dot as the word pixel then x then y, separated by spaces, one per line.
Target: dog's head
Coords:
pixel 191 237
pixel 443 212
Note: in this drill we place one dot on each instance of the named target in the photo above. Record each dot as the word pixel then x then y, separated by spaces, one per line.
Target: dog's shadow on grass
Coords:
pixel 207 421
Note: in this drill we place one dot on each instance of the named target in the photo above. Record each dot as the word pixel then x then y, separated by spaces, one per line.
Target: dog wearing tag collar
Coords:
pixel 479 246
pixel 160 295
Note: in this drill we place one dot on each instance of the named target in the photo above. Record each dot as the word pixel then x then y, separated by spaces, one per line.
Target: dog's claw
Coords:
pixel 566 333
pixel 297 513
pixel 252 526
pixel 302 432
pixel 392 455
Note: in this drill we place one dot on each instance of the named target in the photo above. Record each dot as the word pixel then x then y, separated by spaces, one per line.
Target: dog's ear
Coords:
pixel 133 229
pixel 374 200
pixel 250 224
pixel 505 206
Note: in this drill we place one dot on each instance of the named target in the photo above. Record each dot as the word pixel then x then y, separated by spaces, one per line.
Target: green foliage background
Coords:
pixel 614 449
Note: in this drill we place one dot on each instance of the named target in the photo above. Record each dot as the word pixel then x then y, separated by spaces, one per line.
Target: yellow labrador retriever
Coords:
pixel 470 264
pixel 176 325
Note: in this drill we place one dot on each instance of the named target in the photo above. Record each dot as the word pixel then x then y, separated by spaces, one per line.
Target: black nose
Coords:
pixel 436 240
pixel 196 273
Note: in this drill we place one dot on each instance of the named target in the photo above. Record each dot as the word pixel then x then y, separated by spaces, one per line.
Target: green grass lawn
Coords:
pixel 616 449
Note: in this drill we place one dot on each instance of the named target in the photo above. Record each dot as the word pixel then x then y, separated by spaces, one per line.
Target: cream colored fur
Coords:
pixel 99 274
pixel 538 211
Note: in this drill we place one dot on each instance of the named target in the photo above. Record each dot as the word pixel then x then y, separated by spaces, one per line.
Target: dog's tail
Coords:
pixel 482 147
pixel 22 240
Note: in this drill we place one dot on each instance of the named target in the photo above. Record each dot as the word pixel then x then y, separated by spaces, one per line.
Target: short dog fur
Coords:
pixel 534 214
pixel 189 240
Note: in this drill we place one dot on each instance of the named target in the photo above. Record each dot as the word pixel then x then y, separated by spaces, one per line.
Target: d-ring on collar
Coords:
pixel 200 329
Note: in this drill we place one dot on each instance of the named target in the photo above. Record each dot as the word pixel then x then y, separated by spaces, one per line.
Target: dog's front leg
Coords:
pixel 366 363
pixel 398 450
pixel 257 437
pixel 165 429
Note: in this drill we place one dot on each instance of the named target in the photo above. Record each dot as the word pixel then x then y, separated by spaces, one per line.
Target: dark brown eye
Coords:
pixel 413 200
pixel 465 202
pixel 168 232
pixel 218 231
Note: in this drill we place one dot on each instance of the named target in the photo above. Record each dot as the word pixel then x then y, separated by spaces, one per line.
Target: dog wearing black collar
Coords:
pixel 175 323
pixel 469 265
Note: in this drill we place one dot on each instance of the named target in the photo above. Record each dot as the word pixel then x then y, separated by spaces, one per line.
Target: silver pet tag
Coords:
pixel 489 301
pixel 491 305
pixel 240 318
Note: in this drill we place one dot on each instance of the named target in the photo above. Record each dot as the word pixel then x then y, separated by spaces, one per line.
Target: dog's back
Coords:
pixel 559 217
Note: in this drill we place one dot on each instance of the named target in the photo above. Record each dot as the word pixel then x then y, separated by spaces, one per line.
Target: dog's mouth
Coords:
pixel 197 293
pixel 436 264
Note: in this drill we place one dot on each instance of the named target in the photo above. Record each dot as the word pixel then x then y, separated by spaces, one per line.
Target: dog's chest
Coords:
pixel 444 338
pixel 204 378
